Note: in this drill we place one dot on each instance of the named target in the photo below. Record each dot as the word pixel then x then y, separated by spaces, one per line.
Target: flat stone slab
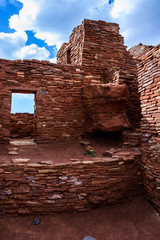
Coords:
pixel 23 142
pixel 13 149
pixel 74 160
pixel 13 153
pixel 45 162
pixel 21 160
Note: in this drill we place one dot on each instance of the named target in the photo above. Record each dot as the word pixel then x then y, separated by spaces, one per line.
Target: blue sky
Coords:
pixel 22 103
pixel 35 29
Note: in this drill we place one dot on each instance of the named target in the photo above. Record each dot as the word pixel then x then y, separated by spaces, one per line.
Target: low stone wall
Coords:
pixel 22 125
pixel 40 188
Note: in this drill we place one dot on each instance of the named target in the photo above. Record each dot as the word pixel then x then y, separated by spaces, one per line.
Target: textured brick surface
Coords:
pixel 41 188
pixel 60 112
pixel 74 97
pixel 99 48
pixel 138 51
pixel 22 125
pixel 149 88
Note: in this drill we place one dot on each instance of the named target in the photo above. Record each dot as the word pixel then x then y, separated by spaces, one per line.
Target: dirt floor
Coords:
pixel 60 152
pixel 136 220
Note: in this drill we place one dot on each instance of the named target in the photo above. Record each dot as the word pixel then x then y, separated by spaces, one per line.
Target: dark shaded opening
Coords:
pixel 106 139
pixel 69 56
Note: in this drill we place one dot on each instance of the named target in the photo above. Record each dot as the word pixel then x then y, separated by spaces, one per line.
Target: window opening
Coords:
pixel 22 103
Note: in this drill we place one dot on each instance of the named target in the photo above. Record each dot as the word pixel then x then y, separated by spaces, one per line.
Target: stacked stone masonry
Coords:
pixel 78 186
pixel 22 125
pixel 59 111
pixel 149 88
pixel 138 51
pixel 99 48
pixel 93 87
pixel 60 107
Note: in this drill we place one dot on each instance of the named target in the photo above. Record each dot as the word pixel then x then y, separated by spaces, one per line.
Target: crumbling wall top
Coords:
pixel 92 33
pixel 139 51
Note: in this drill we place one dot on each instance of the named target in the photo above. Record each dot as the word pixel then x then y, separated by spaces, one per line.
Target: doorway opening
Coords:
pixel 22 119
pixel 69 56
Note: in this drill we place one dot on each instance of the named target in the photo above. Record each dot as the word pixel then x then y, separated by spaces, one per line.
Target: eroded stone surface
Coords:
pixel 139 51
pixel 106 106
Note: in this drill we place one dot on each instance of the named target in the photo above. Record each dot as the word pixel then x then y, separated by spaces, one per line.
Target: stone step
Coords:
pixel 21 160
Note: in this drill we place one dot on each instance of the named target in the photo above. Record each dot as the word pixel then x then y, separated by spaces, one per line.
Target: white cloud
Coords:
pixel 139 20
pixel 50 38
pixel 122 7
pixel 53 21
pixel 14 36
pixel 53 60
pixel 32 52
pixel 126 33
pixel 27 15
pixel 12 46
pixel 10 43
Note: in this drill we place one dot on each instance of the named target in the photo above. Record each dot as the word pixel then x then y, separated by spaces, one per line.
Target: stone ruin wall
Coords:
pixel 63 88
pixel 65 116
pixel 32 188
pixel 138 51
pixel 149 88
pixel 22 125
pixel 59 113
pixel 105 60
pixel 72 52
